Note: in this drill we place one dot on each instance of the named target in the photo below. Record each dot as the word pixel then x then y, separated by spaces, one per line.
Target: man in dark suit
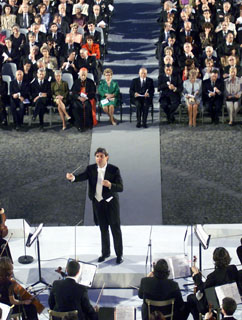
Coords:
pixel 89 62
pixel 228 308
pixel 93 32
pixel 11 54
pixel 157 286
pixel 40 36
pixel 68 294
pixel 141 94
pixel 83 91
pixel 19 91
pixel 25 19
pixel 41 95
pixel 56 35
pixel 104 184
pixel 213 90
pixel 170 86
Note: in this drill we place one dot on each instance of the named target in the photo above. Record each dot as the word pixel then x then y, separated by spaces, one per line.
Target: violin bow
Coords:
pixel 100 294
pixel 5 245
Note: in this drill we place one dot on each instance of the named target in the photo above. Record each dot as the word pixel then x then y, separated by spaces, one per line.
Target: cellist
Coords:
pixel 8 295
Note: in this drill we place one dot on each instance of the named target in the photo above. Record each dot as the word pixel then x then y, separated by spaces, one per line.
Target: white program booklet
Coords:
pixel 6 311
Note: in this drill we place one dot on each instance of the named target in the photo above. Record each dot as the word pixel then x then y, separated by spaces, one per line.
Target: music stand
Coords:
pixel 25 259
pixel 30 240
pixel 203 239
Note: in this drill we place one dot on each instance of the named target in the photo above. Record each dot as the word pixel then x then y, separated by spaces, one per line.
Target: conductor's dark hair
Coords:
pixel 229 305
pixel 221 257
pixel 73 268
pixel 101 150
pixel 161 269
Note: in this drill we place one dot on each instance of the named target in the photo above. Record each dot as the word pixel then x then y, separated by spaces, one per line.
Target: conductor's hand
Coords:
pixel 96 308
pixel 69 176
pixel 107 184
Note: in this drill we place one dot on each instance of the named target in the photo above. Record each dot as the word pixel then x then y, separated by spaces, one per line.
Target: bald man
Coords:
pixel 141 94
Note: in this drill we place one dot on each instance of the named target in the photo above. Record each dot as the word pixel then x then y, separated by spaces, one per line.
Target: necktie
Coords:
pixel 19 84
pixel 25 21
pixel 99 186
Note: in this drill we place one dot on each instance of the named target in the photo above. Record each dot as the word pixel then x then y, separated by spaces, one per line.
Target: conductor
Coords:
pixel 105 182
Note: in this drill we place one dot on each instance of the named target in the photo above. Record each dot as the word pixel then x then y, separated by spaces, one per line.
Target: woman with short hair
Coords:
pixel 60 95
pixel 108 90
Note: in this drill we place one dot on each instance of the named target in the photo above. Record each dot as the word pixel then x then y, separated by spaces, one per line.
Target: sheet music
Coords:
pixel 179 266
pixel 5 311
pixel 87 275
pixel 124 313
pixel 228 290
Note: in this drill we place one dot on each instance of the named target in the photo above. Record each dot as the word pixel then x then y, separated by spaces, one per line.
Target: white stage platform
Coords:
pixel 57 244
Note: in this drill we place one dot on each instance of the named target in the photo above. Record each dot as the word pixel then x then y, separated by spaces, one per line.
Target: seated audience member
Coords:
pixel 209 67
pixel 18 39
pixel 99 20
pixel 93 32
pixel 41 95
pixel 89 62
pixel 80 19
pixel 239 251
pixel 28 70
pixel 83 101
pixel 164 34
pixel 232 63
pixel 224 273
pixel 44 15
pixel 172 43
pixel 187 32
pixel 60 95
pixel 74 34
pixel 25 19
pixel 50 62
pixel 157 286
pixel 141 95
pixel 10 54
pixel 170 86
pixel 205 18
pixel 213 89
pixel 62 12
pixel 40 37
pixel 108 90
pixel 168 60
pixel 209 53
pixel 29 44
pixel 68 47
pixel 189 65
pixel 69 65
pixel 55 34
pixel 229 47
pixel 37 20
pixel 54 49
pixel 225 11
pixel 3 101
pixel 61 23
pixel 222 33
pixel 92 48
pixel 192 90
pixel 49 73
pixel 7 294
pixel 186 54
pixel 7 18
pixel 231 26
pixel 19 91
pixel 232 94
pixel 207 37
pixel 14 6
pixel 82 6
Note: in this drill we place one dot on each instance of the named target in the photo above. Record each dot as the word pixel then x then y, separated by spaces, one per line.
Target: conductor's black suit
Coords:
pixel 106 211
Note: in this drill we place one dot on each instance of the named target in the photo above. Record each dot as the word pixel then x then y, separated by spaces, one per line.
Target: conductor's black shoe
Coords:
pixel 33 118
pixel 119 260
pixel 145 126
pixel 138 125
pixel 102 258
pixel 41 129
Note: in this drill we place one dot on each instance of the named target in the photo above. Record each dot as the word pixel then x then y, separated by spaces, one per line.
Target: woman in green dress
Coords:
pixel 109 93
pixel 60 94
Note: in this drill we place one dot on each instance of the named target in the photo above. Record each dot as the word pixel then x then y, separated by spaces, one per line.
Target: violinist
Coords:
pixel 69 295
pixel 7 292
pixel 228 308
pixel 4 248
pixel 224 273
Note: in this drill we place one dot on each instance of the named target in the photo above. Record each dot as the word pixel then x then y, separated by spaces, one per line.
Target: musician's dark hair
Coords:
pixel 72 268
pixel 6 268
pixel 157 315
pixel 161 269
pixel 229 305
pixel 101 150
pixel 221 257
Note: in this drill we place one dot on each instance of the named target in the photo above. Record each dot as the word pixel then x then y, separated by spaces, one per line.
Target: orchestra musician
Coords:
pixel 4 248
pixel 9 289
pixel 224 273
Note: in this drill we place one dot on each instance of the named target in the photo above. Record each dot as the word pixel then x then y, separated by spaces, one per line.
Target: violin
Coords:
pixel 210 312
pixel 3 227
pixel 23 294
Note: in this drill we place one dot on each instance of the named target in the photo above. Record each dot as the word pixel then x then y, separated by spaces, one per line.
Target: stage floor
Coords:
pixel 57 244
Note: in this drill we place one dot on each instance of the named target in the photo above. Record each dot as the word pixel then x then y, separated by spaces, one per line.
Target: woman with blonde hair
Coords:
pixel 192 91
pixel 74 34
pixel 108 90
pixel 60 94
